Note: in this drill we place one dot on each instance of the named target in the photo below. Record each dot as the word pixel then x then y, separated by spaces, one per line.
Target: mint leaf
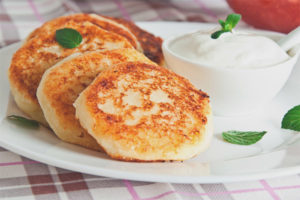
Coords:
pixel 68 38
pixel 217 34
pixel 233 19
pixel 227 26
pixel 243 138
pixel 23 121
pixel 222 23
pixel 291 119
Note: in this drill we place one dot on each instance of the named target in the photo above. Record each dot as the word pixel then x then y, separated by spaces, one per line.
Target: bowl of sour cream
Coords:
pixel 240 71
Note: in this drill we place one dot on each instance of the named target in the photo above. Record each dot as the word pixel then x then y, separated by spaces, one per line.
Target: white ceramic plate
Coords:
pixel 276 154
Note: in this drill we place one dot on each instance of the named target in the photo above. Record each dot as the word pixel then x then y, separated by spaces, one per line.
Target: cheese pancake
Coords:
pixel 150 44
pixel 102 22
pixel 143 112
pixel 142 40
pixel 41 52
pixel 62 84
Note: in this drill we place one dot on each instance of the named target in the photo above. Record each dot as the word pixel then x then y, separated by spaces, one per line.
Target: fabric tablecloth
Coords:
pixel 22 178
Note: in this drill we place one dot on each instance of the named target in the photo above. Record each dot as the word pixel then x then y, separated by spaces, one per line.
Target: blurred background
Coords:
pixel 19 17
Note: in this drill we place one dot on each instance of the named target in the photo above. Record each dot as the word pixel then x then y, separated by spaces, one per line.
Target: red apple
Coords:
pixel 276 15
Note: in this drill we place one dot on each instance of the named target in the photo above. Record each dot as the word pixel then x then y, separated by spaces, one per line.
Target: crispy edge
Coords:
pixel 150 43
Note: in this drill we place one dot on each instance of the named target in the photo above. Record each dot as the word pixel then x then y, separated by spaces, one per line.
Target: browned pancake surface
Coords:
pixel 80 18
pixel 138 111
pixel 142 40
pixel 62 84
pixel 150 43
pixel 41 52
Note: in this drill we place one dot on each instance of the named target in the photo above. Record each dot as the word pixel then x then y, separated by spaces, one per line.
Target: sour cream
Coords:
pixel 230 50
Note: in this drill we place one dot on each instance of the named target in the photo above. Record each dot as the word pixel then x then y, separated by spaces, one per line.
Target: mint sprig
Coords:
pixel 23 121
pixel 243 138
pixel 291 119
pixel 227 25
pixel 68 38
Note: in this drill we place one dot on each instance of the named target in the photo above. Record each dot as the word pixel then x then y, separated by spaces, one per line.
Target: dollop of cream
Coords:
pixel 230 50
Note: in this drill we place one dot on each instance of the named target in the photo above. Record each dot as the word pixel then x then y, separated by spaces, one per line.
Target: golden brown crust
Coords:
pixel 38 54
pixel 170 118
pixel 150 43
pixel 80 18
pixel 62 84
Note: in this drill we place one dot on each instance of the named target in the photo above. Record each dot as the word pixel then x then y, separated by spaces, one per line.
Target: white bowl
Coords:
pixel 232 91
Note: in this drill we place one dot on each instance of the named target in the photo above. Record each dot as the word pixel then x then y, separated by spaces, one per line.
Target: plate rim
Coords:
pixel 134 176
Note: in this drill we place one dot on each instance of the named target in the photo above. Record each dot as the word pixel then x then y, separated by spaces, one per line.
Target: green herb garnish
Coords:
pixel 227 25
pixel 68 38
pixel 291 119
pixel 23 121
pixel 243 138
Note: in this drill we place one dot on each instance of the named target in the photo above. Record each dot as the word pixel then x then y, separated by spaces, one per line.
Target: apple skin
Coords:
pixel 277 15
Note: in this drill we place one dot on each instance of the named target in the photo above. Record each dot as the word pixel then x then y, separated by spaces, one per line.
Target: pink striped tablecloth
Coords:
pixel 22 178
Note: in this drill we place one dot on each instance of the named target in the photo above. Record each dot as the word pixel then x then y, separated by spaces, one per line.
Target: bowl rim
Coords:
pixel 269 34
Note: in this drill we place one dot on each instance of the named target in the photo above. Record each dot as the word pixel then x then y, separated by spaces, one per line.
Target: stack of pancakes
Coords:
pixel 111 92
